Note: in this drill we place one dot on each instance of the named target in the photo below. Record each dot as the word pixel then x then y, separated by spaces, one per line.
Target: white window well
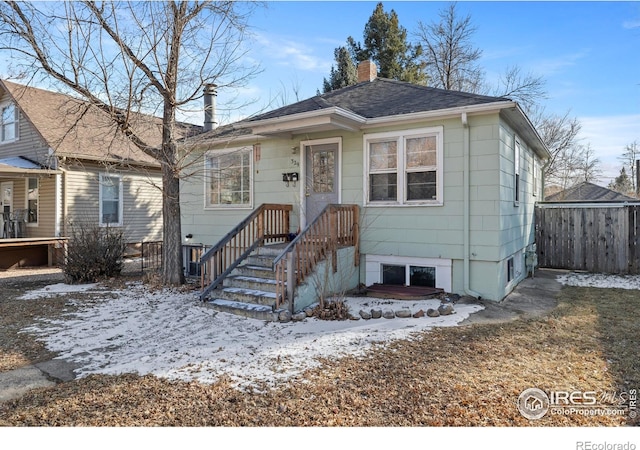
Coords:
pixel 404 168
pixel 228 181
pixel 408 271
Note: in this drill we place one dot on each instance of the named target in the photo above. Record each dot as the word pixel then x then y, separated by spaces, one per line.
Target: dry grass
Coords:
pixel 464 376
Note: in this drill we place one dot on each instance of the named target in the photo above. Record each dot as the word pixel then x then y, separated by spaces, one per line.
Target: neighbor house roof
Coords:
pixel 588 192
pixel 374 103
pixel 77 129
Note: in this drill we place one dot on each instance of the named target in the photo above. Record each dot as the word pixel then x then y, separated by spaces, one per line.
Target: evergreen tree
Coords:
pixel 344 73
pixel 622 183
pixel 385 43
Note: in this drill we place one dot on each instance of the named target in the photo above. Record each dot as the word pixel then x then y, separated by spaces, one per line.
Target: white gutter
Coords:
pixel 467 205
pixel 448 113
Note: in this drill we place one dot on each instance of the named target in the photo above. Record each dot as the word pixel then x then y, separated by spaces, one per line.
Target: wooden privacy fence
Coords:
pixel 594 238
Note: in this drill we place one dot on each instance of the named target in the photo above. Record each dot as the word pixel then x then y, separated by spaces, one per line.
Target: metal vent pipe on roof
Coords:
pixel 210 93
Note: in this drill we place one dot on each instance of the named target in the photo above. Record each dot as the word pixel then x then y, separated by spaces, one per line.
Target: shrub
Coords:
pixel 93 253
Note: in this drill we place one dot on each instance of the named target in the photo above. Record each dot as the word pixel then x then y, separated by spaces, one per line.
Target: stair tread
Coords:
pixel 255 267
pixel 255 292
pixel 240 305
pixel 254 279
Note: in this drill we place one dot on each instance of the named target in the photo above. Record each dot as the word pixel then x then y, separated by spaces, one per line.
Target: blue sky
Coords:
pixel 588 53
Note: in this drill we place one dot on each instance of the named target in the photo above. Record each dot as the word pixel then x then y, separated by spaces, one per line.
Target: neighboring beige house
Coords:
pixel 62 160
pixel 445 182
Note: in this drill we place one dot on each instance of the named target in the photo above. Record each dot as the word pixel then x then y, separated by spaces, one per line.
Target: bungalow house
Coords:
pixel 61 161
pixel 429 188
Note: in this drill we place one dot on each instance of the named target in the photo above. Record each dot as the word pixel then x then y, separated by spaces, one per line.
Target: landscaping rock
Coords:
pixel 284 316
pixel 418 314
pixel 454 297
pixel 388 314
pixel 445 310
pixel 365 314
pixel 403 313
pixel 376 313
pixel 298 317
pixel 433 312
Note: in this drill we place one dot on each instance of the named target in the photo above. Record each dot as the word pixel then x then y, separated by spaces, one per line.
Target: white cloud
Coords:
pixel 292 54
pixel 558 64
pixel 608 136
pixel 630 24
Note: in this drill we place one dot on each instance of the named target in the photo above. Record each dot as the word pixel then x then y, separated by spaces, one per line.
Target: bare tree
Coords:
pixel 527 89
pixel 629 157
pixel 127 58
pixel 589 168
pixel 560 134
pixel 451 59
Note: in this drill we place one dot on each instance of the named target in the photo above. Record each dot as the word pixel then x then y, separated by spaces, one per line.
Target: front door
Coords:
pixel 6 196
pixel 321 186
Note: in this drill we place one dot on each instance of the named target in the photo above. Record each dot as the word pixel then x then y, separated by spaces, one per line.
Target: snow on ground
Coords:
pixel 170 334
pixel 599 280
pixel 60 288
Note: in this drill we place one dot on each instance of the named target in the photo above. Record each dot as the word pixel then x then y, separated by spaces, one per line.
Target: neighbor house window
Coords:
pixel 516 171
pixel 229 179
pixel 8 123
pixel 33 192
pixel 110 200
pixel 404 168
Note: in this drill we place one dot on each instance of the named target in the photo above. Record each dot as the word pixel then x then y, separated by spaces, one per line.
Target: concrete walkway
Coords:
pixel 533 297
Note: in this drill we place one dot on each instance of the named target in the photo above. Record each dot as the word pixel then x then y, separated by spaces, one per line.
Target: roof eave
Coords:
pixel 319 120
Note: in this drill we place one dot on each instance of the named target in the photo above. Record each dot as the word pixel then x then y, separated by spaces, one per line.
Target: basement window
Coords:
pixel 408 275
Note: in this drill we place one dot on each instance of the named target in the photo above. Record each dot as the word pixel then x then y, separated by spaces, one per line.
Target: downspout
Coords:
pixel 467 204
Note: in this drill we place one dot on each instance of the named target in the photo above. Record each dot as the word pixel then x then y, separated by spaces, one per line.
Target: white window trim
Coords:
pixel 120 200
pixel 401 170
pixel 15 123
pixel 303 170
pixel 373 268
pixel 26 201
pixel 210 153
pixel 517 177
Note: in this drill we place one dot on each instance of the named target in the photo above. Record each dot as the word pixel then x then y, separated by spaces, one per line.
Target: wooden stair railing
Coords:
pixel 336 226
pixel 267 224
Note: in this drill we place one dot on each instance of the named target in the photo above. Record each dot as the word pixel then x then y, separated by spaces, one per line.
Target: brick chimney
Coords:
pixel 367 71
pixel 210 93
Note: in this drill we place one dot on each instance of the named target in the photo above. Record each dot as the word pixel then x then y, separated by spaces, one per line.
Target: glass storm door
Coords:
pixel 6 195
pixel 321 186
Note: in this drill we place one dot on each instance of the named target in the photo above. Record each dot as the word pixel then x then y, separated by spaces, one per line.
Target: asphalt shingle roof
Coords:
pixel 586 191
pixel 383 97
pixel 75 128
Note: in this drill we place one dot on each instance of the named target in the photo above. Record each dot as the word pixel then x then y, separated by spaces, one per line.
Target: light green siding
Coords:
pixel 497 229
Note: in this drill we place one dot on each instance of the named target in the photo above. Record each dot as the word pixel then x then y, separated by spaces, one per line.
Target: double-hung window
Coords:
pixel 229 178
pixel 110 200
pixel 404 168
pixel 8 123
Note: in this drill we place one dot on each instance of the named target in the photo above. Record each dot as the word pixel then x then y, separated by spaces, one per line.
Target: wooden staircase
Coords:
pixel 255 269
pixel 250 289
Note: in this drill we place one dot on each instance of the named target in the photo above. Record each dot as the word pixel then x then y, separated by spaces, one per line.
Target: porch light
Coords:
pixel 188 237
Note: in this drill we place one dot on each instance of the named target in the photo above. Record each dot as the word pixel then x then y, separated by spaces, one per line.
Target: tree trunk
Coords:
pixel 172 270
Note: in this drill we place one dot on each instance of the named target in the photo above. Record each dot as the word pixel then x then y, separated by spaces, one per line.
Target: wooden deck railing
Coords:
pixel 336 226
pixel 267 224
